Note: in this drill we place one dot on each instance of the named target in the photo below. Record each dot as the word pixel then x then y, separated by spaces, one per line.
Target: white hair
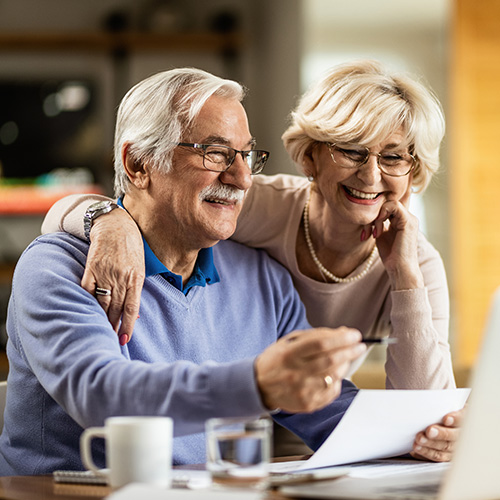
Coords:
pixel 155 113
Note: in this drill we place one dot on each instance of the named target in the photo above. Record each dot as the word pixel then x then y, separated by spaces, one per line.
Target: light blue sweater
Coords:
pixel 191 356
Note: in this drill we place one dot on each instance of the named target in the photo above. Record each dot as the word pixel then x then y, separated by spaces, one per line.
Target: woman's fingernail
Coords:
pixel 363 235
pixel 418 448
pixel 449 421
pixel 422 440
pixel 123 339
pixel 432 433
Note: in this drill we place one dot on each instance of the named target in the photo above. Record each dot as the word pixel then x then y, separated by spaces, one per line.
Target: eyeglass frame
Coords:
pixel 203 148
pixel 331 145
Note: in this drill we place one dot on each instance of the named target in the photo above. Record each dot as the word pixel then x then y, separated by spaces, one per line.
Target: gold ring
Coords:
pixel 328 381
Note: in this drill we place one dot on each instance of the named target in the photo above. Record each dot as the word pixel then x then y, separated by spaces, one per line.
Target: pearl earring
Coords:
pixel 310 178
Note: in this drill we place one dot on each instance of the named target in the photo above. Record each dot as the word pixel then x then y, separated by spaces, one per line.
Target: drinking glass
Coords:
pixel 239 451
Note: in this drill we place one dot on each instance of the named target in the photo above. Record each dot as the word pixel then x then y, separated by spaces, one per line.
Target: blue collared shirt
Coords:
pixel 204 272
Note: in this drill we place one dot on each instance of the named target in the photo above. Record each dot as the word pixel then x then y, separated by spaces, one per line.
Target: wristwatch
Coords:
pixel 94 211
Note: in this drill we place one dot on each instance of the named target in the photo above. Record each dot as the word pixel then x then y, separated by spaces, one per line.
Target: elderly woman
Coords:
pixel 364 138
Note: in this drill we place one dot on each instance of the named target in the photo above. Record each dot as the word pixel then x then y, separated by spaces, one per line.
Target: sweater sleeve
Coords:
pixel 420 319
pixel 67 214
pixel 66 341
pixel 314 428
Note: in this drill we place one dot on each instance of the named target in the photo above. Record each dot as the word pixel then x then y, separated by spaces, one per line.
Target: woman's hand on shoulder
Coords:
pixel 116 262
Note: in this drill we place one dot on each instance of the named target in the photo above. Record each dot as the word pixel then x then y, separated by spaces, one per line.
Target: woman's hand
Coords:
pixel 437 442
pixel 396 232
pixel 116 262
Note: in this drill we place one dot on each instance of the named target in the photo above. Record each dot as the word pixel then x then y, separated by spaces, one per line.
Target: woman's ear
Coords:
pixel 309 163
pixel 137 172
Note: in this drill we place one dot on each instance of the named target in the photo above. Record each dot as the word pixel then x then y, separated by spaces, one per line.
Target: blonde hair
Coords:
pixel 363 103
pixel 155 113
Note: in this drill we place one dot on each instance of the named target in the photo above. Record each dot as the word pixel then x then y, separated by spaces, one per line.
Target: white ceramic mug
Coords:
pixel 138 449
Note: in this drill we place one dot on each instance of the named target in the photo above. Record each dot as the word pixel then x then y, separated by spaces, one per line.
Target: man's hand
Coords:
pixel 303 371
pixel 116 262
pixel 437 442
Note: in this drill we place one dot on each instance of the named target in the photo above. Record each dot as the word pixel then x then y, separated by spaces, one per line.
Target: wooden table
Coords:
pixel 44 488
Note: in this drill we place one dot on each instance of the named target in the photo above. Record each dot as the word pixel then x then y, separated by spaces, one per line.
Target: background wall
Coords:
pixel 474 135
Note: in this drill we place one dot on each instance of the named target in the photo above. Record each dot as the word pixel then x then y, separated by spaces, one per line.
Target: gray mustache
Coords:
pixel 222 192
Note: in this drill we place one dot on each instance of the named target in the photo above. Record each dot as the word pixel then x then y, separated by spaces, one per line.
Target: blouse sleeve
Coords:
pixel 67 214
pixel 420 320
pixel 271 203
pixel 255 225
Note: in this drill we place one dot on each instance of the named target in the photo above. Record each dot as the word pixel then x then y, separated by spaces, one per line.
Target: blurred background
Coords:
pixel 65 65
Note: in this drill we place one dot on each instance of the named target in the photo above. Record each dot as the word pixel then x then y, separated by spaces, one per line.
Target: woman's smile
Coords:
pixel 361 197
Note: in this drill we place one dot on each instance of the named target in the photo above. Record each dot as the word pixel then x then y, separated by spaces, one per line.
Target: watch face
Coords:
pixel 95 210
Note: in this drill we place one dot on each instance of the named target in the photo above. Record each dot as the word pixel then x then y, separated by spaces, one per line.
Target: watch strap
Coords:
pixel 93 211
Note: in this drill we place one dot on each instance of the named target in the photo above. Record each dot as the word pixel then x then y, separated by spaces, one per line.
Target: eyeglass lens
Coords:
pixel 220 158
pixel 390 162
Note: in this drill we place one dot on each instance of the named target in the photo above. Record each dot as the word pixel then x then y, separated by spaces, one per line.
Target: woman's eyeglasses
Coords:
pixel 394 163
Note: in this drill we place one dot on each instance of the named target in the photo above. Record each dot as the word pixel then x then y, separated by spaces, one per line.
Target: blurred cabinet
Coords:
pixel 44 41
pixel 474 172
pixel 121 46
pixel 131 56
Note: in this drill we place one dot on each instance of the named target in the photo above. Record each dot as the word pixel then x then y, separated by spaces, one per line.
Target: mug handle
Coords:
pixel 86 451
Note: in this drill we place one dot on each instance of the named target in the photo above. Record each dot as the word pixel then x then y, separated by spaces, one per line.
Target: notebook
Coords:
pixel 474 472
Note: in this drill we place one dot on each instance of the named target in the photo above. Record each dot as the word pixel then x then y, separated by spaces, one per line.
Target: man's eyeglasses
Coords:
pixel 219 158
pixel 394 163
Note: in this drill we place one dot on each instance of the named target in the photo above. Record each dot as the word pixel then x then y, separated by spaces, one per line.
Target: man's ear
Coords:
pixel 136 171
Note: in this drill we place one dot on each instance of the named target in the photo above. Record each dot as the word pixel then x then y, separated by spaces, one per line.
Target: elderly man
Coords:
pixel 211 339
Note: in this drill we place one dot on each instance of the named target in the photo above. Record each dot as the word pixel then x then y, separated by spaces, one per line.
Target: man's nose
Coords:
pixel 238 174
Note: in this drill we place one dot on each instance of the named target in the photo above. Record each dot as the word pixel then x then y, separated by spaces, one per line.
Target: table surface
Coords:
pixel 44 488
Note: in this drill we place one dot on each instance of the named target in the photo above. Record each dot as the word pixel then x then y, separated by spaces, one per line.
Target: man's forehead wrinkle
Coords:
pixel 216 139
pixel 224 141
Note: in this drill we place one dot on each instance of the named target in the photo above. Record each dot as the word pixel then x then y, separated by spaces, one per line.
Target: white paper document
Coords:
pixel 137 491
pixel 384 423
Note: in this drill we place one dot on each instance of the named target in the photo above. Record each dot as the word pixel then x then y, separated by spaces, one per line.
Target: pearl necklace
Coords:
pixel 322 269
